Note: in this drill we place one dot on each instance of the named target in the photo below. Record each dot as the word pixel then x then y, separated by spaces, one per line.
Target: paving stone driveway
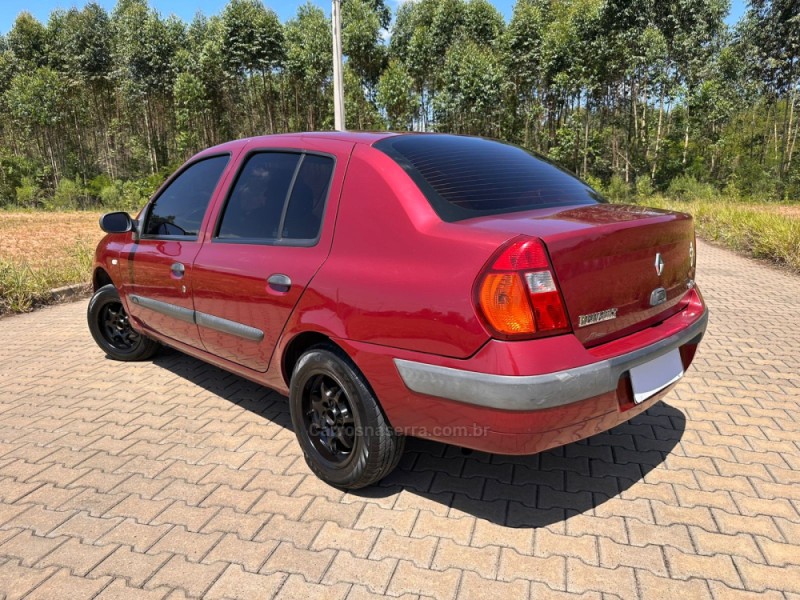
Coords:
pixel 174 478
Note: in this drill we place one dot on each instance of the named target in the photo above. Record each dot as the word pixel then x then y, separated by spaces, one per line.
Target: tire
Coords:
pixel 325 381
pixel 112 331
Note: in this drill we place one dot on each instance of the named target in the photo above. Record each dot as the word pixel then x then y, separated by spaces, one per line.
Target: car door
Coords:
pixel 158 264
pixel 272 234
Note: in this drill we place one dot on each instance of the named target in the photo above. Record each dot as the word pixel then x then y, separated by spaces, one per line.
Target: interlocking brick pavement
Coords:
pixel 174 479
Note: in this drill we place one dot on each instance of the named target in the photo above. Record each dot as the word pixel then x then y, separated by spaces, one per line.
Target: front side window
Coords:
pixel 277 196
pixel 180 208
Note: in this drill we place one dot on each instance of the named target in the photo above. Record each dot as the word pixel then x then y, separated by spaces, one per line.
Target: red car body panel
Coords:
pixel 389 280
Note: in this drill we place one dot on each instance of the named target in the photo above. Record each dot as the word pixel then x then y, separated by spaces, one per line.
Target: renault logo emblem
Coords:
pixel 659 264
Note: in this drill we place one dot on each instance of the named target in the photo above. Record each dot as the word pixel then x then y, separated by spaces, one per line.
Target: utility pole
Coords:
pixel 338 87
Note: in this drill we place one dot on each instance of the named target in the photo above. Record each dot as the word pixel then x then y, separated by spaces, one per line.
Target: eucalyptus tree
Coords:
pixel 38 108
pixel 80 46
pixel 308 68
pixel 28 41
pixel 205 61
pixel 362 27
pixel 774 30
pixel 253 47
pixel 470 96
pixel 523 57
pixel 145 46
pixel 638 90
pixel 396 96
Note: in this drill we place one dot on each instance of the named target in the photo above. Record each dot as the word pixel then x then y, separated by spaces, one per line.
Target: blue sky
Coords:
pixel 186 9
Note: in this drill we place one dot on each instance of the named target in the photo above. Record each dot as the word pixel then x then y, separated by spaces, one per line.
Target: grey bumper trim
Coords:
pixel 537 392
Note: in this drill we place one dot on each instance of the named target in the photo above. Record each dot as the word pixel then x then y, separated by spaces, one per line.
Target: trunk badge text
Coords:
pixel 659 264
pixel 598 317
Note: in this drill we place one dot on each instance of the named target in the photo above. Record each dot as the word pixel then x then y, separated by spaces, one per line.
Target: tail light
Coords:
pixel 517 294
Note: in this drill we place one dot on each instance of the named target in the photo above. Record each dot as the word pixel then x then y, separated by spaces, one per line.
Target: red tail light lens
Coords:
pixel 521 256
pixel 518 295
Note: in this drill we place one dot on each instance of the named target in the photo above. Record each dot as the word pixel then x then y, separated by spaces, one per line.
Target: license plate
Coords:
pixel 653 376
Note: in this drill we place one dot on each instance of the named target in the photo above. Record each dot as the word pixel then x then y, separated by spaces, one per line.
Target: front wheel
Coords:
pixel 112 330
pixel 346 439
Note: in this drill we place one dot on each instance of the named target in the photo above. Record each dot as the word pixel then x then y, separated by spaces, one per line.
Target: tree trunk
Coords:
pixel 658 136
pixel 149 136
pixel 786 158
pixel 686 136
pixel 586 139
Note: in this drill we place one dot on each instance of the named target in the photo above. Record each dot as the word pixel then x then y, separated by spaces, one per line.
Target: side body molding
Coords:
pixel 200 318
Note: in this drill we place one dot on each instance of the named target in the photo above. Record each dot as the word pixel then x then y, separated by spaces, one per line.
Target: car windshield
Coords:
pixel 465 177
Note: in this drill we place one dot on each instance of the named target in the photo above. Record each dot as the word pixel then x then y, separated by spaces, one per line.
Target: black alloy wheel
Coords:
pixel 112 330
pixel 116 327
pixel 346 438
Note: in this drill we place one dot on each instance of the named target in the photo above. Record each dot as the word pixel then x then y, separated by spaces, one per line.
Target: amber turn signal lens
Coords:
pixel 505 304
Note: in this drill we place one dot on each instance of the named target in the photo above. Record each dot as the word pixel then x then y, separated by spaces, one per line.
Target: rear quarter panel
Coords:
pixel 397 275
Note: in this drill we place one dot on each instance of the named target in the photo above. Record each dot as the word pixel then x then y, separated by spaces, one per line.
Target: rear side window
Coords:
pixel 277 196
pixel 465 177
pixel 255 206
pixel 307 202
pixel 180 208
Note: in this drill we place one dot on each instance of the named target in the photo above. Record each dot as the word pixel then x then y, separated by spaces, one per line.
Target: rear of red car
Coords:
pixel 590 310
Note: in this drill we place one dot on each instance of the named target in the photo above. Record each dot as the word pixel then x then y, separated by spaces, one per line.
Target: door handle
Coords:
pixel 279 282
pixel 177 269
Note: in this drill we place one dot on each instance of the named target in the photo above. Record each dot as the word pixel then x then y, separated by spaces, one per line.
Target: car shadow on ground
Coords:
pixel 516 491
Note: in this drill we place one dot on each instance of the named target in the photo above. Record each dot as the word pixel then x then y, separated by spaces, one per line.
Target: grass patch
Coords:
pixel 41 251
pixel 762 230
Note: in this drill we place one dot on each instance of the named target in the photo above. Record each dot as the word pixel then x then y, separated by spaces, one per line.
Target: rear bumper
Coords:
pixel 538 392
pixel 523 397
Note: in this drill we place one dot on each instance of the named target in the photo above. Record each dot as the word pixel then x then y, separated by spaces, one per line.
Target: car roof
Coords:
pixel 359 137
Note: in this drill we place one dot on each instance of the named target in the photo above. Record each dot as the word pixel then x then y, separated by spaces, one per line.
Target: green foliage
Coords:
pixel 35 101
pixel 28 41
pixel 396 96
pixel 28 194
pixel 69 195
pixel 686 187
pixel 309 57
pixel 618 190
pixel 252 37
pixel 359 112
pixel 661 95
pixel 757 229
pixel 596 184
pixel 361 34
pixel 470 97
pixel 644 187
pixel 23 287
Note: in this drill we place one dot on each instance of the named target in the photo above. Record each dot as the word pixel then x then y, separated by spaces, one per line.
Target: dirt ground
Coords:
pixel 40 238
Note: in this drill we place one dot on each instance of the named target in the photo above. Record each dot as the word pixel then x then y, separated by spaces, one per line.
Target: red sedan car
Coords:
pixel 446 287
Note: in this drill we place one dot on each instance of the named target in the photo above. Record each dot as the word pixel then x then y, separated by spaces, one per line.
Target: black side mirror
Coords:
pixel 116 222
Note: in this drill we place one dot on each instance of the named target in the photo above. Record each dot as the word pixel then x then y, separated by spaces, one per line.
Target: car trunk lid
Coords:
pixel 605 259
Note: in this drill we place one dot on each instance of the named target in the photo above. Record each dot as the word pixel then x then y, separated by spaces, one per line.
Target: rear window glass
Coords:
pixel 465 177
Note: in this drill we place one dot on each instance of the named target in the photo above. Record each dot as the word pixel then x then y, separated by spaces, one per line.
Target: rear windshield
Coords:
pixel 465 177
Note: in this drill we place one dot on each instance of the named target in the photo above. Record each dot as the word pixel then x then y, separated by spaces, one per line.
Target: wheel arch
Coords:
pixel 297 346
pixel 100 278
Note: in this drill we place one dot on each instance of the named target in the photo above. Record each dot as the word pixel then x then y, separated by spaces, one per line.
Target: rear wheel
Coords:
pixel 112 330
pixel 345 437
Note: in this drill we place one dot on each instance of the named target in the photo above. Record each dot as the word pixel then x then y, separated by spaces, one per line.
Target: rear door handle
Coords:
pixel 177 269
pixel 279 282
